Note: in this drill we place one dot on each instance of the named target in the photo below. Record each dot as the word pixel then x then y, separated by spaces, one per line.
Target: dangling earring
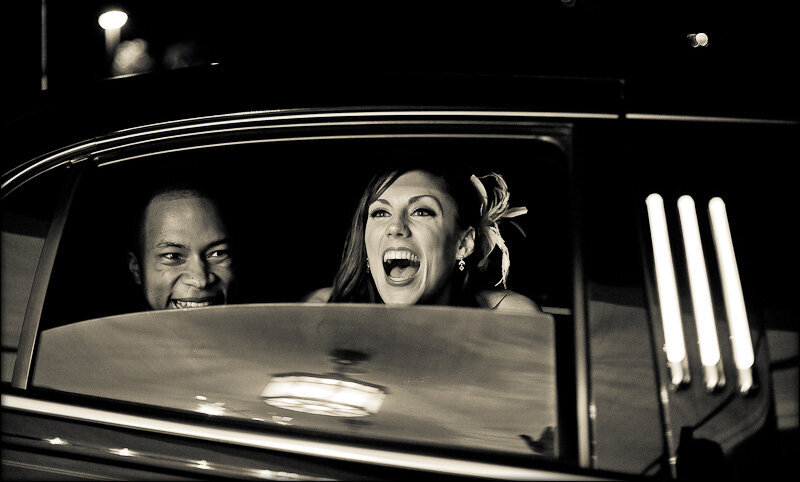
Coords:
pixel 461 262
pixel 367 265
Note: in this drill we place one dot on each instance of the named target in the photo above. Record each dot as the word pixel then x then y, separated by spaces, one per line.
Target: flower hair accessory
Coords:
pixel 492 211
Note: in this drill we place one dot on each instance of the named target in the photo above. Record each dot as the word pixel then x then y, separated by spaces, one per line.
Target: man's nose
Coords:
pixel 197 274
pixel 398 227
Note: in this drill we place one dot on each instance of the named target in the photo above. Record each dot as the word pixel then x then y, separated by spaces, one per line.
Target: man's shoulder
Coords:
pixel 507 301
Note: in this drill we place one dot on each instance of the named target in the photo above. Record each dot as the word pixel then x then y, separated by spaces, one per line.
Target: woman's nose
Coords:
pixel 398 227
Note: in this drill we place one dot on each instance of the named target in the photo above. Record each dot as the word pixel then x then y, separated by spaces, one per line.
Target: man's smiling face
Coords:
pixel 185 253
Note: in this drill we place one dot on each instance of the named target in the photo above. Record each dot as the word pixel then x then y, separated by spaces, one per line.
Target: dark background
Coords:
pixel 746 69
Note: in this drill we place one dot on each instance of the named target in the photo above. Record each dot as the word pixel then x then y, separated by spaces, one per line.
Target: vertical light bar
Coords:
pixel 714 375
pixel 667 291
pixel 732 290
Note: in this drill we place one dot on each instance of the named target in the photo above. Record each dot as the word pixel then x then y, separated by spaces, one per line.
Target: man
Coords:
pixel 184 257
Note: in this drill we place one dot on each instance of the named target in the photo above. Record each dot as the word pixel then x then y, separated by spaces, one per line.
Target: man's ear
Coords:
pixel 467 245
pixel 133 267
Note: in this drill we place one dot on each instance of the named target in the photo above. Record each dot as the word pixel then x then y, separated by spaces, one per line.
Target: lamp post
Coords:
pixel 112 22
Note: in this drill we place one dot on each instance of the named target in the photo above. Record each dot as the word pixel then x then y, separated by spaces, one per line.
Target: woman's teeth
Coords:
pixel 190 304
pixel 400 265
pixel 400 254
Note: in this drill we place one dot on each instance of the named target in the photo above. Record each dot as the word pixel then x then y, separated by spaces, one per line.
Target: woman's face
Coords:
pixel 413 241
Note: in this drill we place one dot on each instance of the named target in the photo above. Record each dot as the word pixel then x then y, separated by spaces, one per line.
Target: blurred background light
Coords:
pixel 701 294
pixel 132 57
pixel 743 355
pixel 112 19
pixel 674 343
pixel 698 39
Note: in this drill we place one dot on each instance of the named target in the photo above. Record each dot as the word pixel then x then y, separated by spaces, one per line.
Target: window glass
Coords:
pixel 447 376
pixel 25 220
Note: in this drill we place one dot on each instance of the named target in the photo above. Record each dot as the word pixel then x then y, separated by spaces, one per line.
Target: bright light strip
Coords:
pixel 112 19
pixel 732 290
pixel 665 280
pixel 698 281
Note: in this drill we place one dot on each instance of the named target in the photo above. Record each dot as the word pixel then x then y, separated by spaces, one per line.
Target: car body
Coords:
pixel 93 386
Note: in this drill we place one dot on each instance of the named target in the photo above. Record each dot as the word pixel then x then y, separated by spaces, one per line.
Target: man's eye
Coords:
pixel 171 258
pixel 379 213
pixel 218 254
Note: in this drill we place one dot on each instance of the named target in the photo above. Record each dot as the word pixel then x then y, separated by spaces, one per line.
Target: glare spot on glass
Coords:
pixel 200 464
pixel 112 19
pixel 56 441
pixel 201 397
pixel 282 420
pixel 276 475
pixel 323 395
pixel 217 408
pixel 123 452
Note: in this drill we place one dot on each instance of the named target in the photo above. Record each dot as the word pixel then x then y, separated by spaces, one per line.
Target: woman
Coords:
pixel 416 237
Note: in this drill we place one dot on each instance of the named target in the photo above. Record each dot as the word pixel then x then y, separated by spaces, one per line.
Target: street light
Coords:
pixel 111 22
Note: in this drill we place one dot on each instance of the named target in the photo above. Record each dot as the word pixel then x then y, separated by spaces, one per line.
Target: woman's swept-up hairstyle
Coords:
pixel 476 208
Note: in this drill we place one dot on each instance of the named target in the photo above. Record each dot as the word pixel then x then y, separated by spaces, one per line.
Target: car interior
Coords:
pixel 290 205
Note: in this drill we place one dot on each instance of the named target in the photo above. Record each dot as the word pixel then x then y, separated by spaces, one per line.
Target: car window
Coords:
pixel 463 377
pixel 289 207
pixel 25 220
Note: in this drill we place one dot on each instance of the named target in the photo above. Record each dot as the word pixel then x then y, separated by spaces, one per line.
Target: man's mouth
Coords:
pixel 194 302
pixel 400 265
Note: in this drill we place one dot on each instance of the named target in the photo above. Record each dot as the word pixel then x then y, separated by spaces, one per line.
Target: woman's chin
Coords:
pixel 399 296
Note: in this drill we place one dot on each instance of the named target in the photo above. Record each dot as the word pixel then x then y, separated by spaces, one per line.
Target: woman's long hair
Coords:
pixel 354 284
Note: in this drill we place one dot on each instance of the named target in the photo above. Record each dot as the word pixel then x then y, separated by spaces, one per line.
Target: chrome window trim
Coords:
pixel 271 116
pixel 692 118
pixel 325 138
pixel 290 444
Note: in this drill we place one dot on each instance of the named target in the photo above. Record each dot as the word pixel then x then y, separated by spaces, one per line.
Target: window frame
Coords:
pixel 572 350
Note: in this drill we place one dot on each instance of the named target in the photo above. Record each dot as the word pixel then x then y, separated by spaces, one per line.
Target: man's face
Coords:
pixel 185 256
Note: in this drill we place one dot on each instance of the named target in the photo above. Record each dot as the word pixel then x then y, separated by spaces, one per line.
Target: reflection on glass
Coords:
pixel 200 464
pixel 217 408
pixel 333 394
pixel 125 452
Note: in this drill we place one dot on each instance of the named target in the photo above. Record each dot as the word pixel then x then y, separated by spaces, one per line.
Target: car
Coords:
pixel 663 348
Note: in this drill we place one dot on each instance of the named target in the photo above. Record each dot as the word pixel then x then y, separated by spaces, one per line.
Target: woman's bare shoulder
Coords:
pixel 507 301
pixel 318 296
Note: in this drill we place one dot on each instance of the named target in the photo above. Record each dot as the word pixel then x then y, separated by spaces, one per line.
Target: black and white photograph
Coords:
pixel 546 240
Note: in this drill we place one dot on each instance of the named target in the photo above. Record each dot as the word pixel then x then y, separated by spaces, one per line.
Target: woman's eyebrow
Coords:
pixel 417 198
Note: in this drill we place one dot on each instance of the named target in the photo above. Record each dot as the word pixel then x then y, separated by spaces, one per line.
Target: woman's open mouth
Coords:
pixel 400 265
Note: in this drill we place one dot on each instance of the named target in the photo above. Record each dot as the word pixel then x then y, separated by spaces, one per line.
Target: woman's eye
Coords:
pixel 379 213
pixel 422 212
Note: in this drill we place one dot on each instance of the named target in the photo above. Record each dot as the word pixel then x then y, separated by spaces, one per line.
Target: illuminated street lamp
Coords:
pixel 111 22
